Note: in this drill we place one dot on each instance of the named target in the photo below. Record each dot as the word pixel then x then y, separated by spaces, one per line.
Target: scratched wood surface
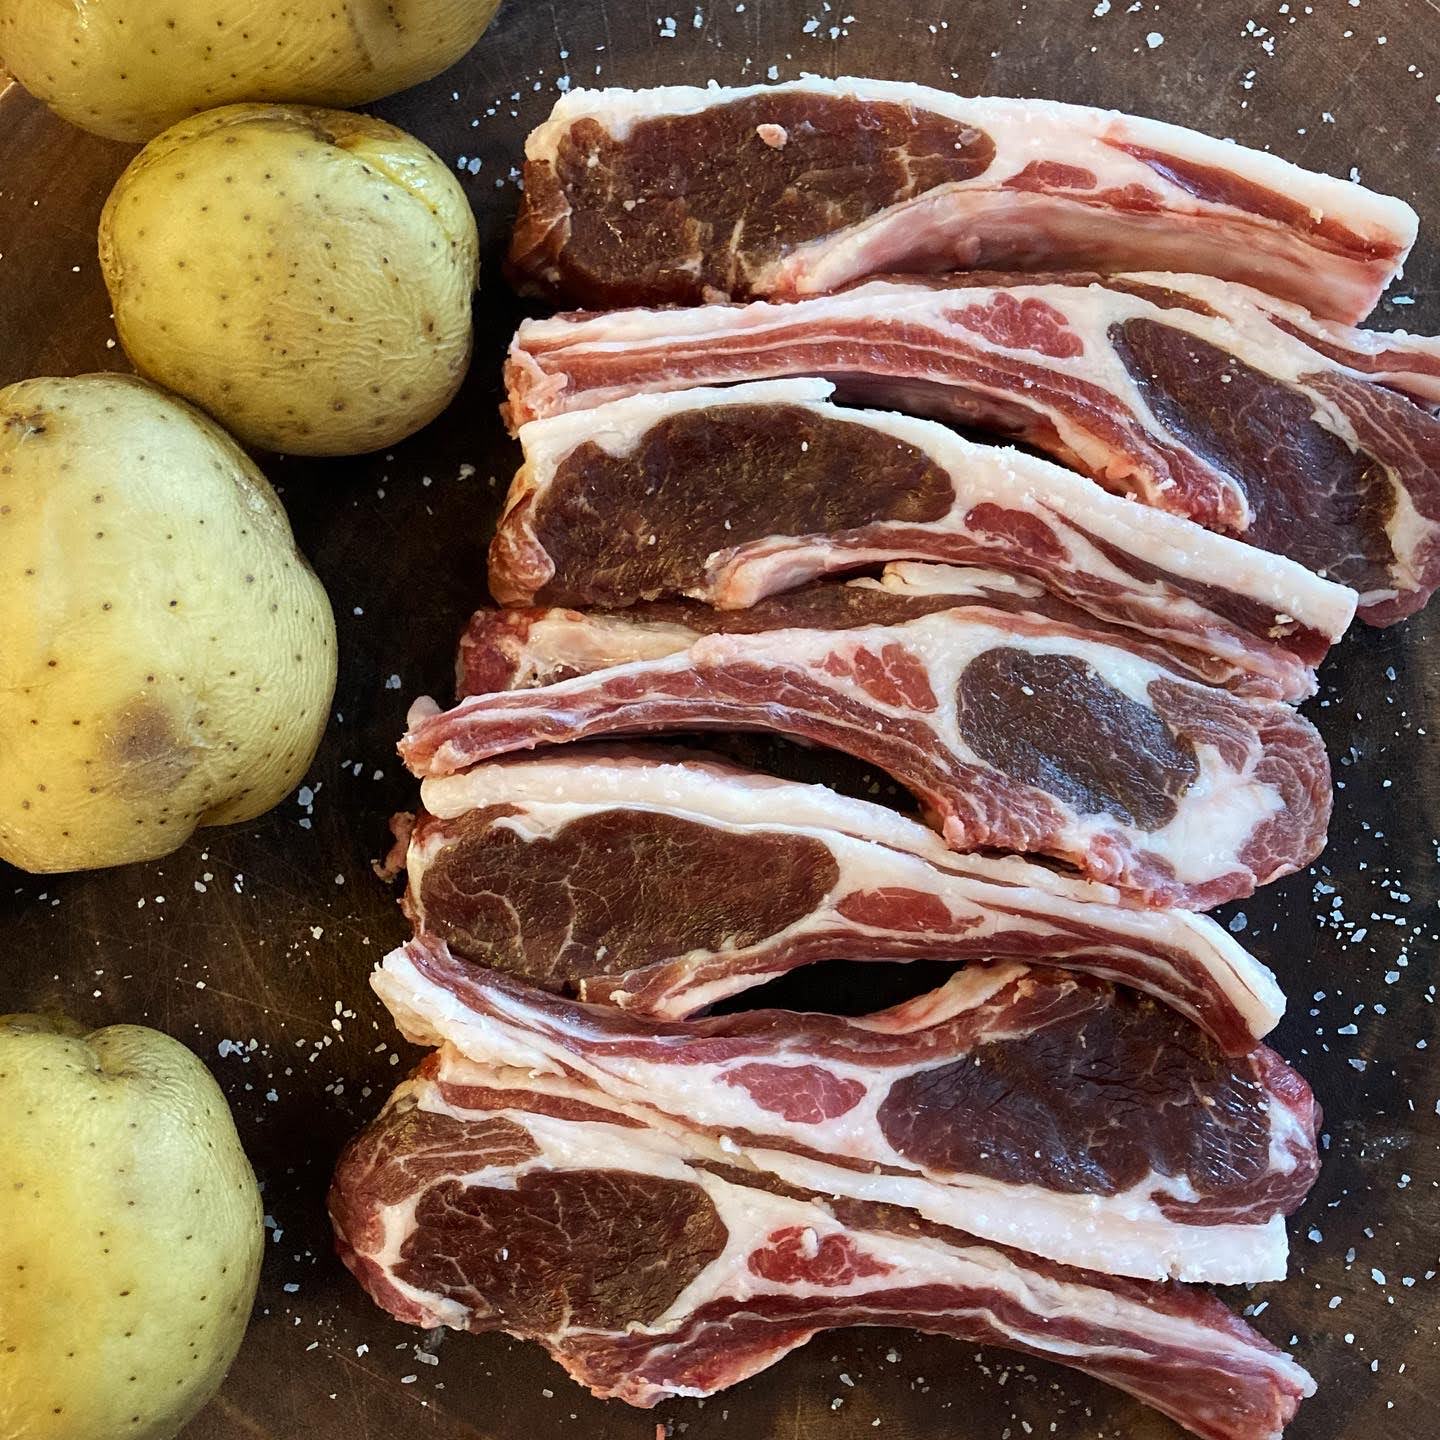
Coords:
pixel 253 944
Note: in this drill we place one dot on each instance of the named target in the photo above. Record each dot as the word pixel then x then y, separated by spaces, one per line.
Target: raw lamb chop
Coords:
pixel 1028 1106
pixel 1017 733
pixel 489 1200
pixel 664 884
pixel 1201 398
pixel 680 194
pixel 511 649
pixel 731 495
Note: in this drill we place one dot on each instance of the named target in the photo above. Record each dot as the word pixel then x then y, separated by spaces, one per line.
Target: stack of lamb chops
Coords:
pixel 1084 668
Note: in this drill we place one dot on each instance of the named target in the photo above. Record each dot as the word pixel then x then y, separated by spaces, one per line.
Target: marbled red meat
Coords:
pixel 1178 793
pixel 679 194
pixel 663 884
pixel 1024 1105
pixel 1205 399
pixel 649 1269
pixel 730 495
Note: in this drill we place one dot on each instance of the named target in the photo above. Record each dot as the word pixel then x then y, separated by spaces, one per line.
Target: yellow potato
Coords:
pixel 304 275
pixel 168 656
pixel 129 68
pixel 131 1232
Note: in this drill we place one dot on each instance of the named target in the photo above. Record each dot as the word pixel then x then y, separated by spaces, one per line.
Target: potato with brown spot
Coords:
pixel 131 1233
pixel 129 68
pixel 304 275
pixel 168 655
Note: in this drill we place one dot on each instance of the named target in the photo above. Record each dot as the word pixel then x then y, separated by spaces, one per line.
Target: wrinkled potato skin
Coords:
pixel 131 1233
pixel 168 655
pixel 129 68
pixel 304 275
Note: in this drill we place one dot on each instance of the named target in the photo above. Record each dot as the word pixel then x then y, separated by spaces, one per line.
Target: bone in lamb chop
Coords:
pixel 487 1199
pixel 663 882
pixel 514 649
pixel 1198 397
pixel 670 1204
pixel 684 194
pixel 729 495
pixel 1017 733
pixel 1028 1106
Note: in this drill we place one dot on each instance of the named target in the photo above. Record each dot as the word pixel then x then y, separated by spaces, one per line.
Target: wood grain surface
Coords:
pixel 253 944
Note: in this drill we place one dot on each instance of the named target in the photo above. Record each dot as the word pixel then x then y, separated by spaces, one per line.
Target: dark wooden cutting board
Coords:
pixel 253 944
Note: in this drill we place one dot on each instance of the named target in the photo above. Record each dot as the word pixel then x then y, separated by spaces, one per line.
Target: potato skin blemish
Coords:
pixel 154 659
